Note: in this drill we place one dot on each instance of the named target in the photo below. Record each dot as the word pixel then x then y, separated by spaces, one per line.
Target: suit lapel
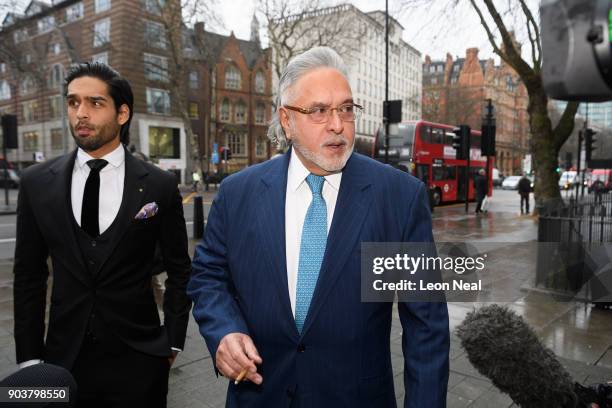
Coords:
pixel 350 212
pixel 134 189
pixel 271 219
pixel 61 206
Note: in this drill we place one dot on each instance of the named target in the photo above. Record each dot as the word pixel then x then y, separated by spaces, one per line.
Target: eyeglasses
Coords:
pixel 348 112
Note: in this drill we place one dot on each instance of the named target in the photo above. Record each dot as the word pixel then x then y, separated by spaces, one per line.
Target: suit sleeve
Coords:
pixel 173 245
pixel 215 308
pixel 426 337
pixel 30 282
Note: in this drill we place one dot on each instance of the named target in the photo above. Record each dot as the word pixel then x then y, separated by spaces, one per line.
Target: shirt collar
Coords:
pixel 114 158
pixel 297 173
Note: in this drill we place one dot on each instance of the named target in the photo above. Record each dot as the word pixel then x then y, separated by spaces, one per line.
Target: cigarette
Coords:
pixel 240 377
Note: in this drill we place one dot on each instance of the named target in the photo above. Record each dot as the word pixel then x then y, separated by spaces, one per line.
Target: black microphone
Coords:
pixel 42 375
pixel 506 350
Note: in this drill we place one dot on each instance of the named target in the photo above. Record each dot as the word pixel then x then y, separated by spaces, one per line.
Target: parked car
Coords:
pixel 13 179
pixel 497 177
pixel 511 183
pixel 568 180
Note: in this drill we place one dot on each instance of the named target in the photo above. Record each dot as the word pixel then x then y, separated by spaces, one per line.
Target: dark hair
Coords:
pixel 118 88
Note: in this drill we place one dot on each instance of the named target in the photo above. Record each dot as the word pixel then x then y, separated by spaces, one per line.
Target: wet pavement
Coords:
pixel 580 335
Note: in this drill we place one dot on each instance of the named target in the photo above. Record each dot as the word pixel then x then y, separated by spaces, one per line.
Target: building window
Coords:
pixel 46 24
pixel 57 139
pixel 260 82
pixel 30 141
pixel 241 116
pixel 2 67
pixel 164 143
pixel 27 85
pixel 56 76
pixel 260 113
pixel 102 5
pixel 20 35
pixel 29 111
pixel 232 78
pixel 55 48
pixel 225 111
pixel 158 101
pixel 74 12
pixel 194 82
pixel 5 90
pixel 194 110
pixel 156 67
pixel 155 35
pixel 154 6
pixel 102 32
pixel 237 143
pixel 55 106
pixel 101 58
pixel 260 147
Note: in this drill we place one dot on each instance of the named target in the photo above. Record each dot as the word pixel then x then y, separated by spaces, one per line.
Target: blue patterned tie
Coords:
pixel 312 248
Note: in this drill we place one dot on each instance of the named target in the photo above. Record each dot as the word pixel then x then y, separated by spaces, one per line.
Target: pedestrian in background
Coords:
pixel 482 189
pixel 524 189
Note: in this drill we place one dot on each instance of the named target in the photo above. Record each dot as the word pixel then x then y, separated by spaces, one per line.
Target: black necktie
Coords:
pixel 89 212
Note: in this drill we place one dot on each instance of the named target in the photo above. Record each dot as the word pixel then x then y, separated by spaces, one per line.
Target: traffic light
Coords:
pixel 487 140
pixel 461 142
pixel 568 160
pixel 589 140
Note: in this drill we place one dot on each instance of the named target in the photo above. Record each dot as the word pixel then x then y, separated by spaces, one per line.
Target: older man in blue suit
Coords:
pixel 276 279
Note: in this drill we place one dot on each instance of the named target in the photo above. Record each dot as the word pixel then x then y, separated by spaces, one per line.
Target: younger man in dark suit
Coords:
pixel 99 213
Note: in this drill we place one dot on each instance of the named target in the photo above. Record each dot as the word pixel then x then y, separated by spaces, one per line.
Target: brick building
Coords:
pixel 132 36
pixel 455 92
pixel 239 74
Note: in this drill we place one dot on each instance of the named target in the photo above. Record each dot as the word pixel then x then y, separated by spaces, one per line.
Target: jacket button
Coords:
pixel 301 348
pixel 93 243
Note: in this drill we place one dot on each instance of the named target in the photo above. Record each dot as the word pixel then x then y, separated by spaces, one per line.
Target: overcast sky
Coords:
pixel 430 28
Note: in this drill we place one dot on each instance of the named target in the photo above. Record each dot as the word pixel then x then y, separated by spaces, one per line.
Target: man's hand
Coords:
pixel 171 359
pixel 237 352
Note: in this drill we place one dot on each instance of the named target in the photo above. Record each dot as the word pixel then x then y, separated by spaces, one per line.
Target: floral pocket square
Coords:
pixel 147 211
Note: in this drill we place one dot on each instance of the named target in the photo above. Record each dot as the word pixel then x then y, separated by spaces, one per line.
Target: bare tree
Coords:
pixel 294 27
pixel 174 18
pixel 547 141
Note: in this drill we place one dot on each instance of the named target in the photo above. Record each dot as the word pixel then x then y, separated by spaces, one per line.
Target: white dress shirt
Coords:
pixel 297 201
pixel 112 177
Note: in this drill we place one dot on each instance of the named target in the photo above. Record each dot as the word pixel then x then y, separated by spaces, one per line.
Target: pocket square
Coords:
pixel 147 211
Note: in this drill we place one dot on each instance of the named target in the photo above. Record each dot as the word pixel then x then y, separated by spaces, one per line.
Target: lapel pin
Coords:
pixel 140 189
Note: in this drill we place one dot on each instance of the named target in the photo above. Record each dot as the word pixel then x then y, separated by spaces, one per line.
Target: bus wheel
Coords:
pixel 436 197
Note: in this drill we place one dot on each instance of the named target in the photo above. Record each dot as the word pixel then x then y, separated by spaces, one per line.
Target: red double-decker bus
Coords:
pixel 425 149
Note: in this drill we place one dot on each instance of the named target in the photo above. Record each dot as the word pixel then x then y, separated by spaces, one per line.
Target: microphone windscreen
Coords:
pixel 42 375
pixel 506 350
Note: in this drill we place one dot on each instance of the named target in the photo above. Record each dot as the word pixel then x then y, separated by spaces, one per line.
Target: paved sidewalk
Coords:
pixel 580 335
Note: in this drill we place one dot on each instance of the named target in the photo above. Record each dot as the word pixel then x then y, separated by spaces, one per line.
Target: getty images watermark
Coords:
pixel 485 272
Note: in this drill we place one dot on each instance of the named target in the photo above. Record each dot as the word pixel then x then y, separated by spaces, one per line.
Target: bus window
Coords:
pixel 438 136
pixel 444 172
pixel 422 173
pixel 426 135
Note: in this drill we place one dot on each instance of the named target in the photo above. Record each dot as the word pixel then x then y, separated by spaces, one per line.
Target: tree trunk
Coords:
pixel 544 148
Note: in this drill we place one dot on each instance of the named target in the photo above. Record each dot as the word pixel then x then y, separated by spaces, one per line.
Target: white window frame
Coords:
pixel 155 67
pixel 225 115
pixel 233 81
pixel 5 90
pixel 75 12
pixel 45 24
pixel 237 142
pixel 155 93
pixel 101 57
pixel 155 35
pixel 260 82
pixel 101 33
pixel 56 76
pixel 101 5
pixel 260 113
pixel 240 112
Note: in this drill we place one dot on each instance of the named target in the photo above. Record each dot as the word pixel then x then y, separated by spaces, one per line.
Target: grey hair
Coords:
pixel 317 57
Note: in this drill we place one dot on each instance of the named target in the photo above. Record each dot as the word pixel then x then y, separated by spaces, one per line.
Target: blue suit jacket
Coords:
pixel 342 358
